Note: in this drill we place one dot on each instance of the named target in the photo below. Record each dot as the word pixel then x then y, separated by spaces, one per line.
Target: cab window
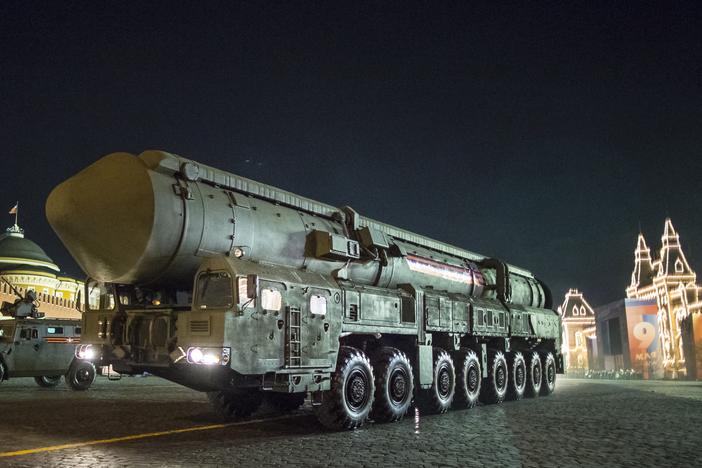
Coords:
pixel 271 299
pixel 100 296
pixel 6 331
pixel 243 288
pixel 214 289
pixel 318 305
pixel 29 333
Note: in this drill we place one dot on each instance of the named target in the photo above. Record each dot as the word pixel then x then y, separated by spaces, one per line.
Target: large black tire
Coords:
pixel 349 401
pixel 81 375
pixel 439 398
pixel 468 379
pixel 534 375
pixel 394 385
pixel 548 384
pixel 517 376
pixel 235 404
pixel 285 402
pixel 3 371
pixel 494 387
pixel 48 380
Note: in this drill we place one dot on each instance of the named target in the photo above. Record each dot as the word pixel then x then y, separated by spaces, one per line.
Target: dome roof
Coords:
pixel 15 250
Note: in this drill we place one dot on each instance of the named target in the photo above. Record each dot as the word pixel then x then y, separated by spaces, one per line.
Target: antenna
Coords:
pixel 14 289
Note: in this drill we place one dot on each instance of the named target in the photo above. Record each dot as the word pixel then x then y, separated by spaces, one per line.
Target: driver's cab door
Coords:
pixel 27 350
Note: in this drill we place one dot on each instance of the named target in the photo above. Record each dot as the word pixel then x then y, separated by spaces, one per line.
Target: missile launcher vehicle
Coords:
pixel 248 292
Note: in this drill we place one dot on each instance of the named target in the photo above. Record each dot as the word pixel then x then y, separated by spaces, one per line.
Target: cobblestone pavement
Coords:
pixel 584 423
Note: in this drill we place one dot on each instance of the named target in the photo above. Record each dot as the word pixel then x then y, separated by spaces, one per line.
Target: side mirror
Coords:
pixel 251 286
pixel 78 299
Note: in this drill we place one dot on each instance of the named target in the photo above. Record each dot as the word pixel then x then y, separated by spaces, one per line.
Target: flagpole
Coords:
pixel 16 212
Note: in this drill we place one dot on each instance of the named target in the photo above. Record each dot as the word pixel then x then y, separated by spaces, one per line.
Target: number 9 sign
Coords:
pixel 644 332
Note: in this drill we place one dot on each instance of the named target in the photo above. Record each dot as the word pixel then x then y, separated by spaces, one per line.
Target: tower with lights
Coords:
pixel 672 283
pixel 579 334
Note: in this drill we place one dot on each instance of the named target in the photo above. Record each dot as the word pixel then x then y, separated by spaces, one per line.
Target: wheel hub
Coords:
pixel 356 390
pixel 500 377
pixel 473 379
pixel 444 382
pixel 537 374
pixel 519 376
pixel 398 386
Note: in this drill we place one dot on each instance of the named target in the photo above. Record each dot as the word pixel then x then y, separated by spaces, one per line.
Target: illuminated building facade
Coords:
pixel 579 336
pixel 26 266
pixel 671 282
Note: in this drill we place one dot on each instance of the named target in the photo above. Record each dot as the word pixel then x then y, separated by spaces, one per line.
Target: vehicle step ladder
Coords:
pixel 293 342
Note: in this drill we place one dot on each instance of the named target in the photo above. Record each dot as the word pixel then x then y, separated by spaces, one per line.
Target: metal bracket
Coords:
pixel 183 191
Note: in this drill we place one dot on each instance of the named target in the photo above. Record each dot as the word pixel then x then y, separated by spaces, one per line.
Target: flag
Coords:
pixel 14 209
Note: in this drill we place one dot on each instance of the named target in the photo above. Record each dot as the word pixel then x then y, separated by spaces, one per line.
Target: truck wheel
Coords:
pixel 439 397
pixel 534 371
pixel 494 386
pixel 285 402
pixel 517 376
pixel 81 375
pixel 467 379
pixel 48 380
pixel 394 385
pixel 348 403
pixel 234 404
pixel 3 372
pixel 548 384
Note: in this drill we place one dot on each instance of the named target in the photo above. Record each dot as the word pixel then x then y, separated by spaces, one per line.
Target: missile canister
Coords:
pixel 152 218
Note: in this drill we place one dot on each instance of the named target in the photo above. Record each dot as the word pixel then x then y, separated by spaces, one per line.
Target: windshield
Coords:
pixel 214 289
pixel 6 331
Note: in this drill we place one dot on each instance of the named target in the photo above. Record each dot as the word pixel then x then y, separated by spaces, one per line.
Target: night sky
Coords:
pixel 545 135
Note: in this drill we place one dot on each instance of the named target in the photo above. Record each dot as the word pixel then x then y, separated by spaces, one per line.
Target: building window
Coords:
pixel 582 310
pixel 575 311
pixel 678 266
pixel 578 339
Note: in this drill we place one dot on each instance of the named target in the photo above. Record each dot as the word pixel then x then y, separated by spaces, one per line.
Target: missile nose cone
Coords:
pixel 104 216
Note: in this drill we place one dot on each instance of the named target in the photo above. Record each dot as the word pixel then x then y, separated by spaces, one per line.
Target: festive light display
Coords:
pixel 672 283
pixel 578 328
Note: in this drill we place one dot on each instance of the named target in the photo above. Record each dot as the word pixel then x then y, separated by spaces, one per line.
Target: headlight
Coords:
pixel 195 355
pixel 85 352
pixel 208 356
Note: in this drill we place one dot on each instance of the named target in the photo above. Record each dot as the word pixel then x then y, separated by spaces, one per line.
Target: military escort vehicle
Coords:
pixel 32 346
pixel 245 291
